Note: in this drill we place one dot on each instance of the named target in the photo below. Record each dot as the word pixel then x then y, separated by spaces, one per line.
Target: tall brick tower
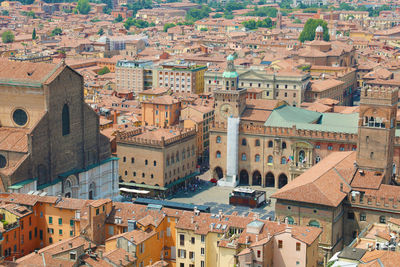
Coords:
pixel 376 129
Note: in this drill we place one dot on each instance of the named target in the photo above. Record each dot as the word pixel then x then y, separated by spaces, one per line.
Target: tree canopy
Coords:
pixel 103 70
pixel 56 31
pixel 138 23
pixel 34 34
pixel 252 24
pixel 100 32
pixel 195 14
pixel 308 33
pixel 7 37
pixel 168 25
pixel 83 6
pixel 119 18
pixel 264 11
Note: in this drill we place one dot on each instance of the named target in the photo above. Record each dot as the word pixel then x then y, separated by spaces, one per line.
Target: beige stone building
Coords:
pixel 348 191
pixel 49 137
pixel 133 76
pixel 157 159
pixel 284 85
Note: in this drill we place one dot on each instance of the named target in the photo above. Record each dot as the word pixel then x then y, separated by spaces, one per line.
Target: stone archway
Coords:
pixel 282 180
pixel 243 177
pixel 218 173
pixel 71 187
pixel 256 178
pixel 270 180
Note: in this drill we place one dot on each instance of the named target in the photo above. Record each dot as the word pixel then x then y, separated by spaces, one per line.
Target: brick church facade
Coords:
pixel 49 137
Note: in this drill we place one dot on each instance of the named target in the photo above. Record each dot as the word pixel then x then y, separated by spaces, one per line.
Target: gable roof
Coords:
pixel 321 183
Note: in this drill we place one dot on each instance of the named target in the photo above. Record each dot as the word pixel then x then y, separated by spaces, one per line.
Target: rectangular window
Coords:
pixel 350 215
pixel 203 238
pixel 71 233
pixel 71 222
pixel 60 232
pixel 60 221
pixel 191 255
pixel 30 235
pixel 193 240
pixel 35 231
pixel 50 220
pixel 363 217
pixel 280 243
pixel 41 234
pixel 97 211
pixel 298 246
pixel 202 251
pixel 202 264
pixel 182 240
pixel 258 253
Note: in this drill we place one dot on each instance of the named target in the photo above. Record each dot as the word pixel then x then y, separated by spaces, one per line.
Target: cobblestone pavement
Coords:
pixel 217 198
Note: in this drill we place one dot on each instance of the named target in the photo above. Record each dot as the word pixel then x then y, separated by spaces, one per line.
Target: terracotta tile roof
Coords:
pixel 14 139
pixel 386 258
pixel 323 85
pixel 117 255
pixel 321 183
pixel 25 71
pixel 367 179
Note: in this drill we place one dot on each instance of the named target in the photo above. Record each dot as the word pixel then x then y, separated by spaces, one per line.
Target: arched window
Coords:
pixel 257 158
pixel 317 159
pixel 283 160
pixel 270 144
pixel 92 191
pixel 289 220
pixel 218 139
pixel 257 142
pixel 155 163
pixel 314 223
pixel 177 156
pixel 218 154
pixel 244 157
pixel 183 154
pixel 65 120
pixel 244 142
pixel 341 148
pixel 283 145
pixel 270 159
pixel 168 160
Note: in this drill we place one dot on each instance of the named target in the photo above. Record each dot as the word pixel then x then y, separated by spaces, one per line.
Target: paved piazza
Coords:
pixel 217 198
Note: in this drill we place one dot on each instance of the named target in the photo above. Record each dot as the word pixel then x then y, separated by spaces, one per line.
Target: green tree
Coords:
pixel 34 34
pixel 83 6
pixel 203 29
pixel 195 14
pixel 103 71
pixel 308 33
pixel 264 11
pixel 168 25
pixel 56 31
pixel 7 37
pixel 100 32
pixel 119 18
pixel 138 23
pixel 218 15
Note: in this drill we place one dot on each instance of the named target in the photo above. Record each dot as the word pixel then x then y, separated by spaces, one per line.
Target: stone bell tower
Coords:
pixel 376 129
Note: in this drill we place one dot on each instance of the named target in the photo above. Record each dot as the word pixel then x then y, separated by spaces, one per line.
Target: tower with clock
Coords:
pixel 231 100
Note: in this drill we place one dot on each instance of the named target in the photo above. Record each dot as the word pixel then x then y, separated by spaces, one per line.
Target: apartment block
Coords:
pixel 180 76
pixel 133 76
